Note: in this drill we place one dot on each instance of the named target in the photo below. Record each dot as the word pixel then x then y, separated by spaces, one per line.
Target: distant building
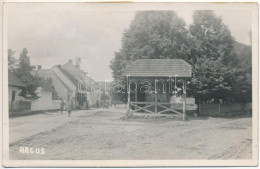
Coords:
pixel 71 83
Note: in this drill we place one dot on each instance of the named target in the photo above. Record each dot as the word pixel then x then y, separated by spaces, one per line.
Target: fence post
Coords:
pixel 219 108
pixel 184 103
pixel 128 112
pixel 199 107
pixel 156 97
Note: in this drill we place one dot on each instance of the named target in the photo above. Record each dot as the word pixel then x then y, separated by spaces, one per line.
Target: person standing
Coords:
pixel 62 104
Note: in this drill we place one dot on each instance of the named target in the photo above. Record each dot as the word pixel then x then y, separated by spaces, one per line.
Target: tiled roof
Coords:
pixel 13 80
pixel 158 68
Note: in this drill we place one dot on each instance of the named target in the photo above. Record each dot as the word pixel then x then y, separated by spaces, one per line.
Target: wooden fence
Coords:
pixel 223 109
pixel 20 105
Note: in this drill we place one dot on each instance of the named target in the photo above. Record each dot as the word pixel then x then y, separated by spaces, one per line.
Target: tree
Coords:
pixel 11 60
pixel 208 46
pixel 209 37
pixel 24 73
pixel 216 72
pixel 153 35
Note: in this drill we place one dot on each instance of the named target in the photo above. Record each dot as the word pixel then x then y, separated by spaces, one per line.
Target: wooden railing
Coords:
pixel 137 107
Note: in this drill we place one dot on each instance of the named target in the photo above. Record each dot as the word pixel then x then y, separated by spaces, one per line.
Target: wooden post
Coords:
pixel 156 96
pixel 128 96
pixel 136 95
pixel 219 108
pixel 184 103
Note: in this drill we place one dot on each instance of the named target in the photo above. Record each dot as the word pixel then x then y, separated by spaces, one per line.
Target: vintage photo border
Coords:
pixel 134 163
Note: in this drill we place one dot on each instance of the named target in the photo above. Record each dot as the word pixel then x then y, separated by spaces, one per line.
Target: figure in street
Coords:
pixel 62 104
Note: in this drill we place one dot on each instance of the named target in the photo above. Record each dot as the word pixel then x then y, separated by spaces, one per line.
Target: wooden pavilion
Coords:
pixel 153 83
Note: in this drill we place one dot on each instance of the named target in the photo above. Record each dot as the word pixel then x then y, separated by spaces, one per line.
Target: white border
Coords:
pixel 135 163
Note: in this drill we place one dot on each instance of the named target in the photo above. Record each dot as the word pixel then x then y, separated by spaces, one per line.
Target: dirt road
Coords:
pixel 103 134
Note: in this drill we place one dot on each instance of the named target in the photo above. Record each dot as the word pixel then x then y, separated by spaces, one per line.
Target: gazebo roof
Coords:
pixel 158 68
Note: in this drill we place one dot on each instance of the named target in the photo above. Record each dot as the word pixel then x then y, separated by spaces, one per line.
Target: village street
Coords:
pixel 103 134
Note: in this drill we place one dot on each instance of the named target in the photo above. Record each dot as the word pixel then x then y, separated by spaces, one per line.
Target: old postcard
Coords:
pixel 130 84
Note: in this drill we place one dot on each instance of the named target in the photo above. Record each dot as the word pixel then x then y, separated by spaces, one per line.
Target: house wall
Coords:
pixel 63 77
pixel 17 97
pixel 45 101
pixel 60 87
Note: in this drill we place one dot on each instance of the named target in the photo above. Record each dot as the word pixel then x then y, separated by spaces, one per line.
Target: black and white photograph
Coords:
pixel 130 84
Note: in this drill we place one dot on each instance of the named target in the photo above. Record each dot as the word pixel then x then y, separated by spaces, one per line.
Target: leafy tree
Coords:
pixel 210 38
pixel 216 72
pixel 244 55
pixel 154 35
pixel 11 60
pixel 24 72
pixel 208 46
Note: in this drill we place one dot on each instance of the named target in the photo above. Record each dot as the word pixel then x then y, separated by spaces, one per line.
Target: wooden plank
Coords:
pixel 175 111
pixel 158 115
pixel 177 114
pixel 143 102
pixel 141 108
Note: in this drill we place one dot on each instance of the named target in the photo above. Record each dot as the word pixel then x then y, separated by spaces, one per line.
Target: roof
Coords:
pixel 158 68
pixel 74 79
pixel 63 83
pixel 13 80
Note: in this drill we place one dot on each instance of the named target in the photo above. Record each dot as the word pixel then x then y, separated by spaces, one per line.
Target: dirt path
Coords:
pixel 103 134
pixel 27 126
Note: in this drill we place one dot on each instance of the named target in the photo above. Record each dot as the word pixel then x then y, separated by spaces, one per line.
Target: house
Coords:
pixel 14 87
pixel 21 106
pixel 71 83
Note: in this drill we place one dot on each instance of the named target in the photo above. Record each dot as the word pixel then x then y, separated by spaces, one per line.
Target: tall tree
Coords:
pixel 11 60
pixel 210 38
pixel 154 35
pixel 216 72
pixel 24 72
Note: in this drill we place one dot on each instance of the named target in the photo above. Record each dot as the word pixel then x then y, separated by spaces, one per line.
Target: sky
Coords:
pixel 53 34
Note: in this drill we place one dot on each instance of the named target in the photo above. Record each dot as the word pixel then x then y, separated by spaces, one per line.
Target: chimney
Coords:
pixel 39 67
